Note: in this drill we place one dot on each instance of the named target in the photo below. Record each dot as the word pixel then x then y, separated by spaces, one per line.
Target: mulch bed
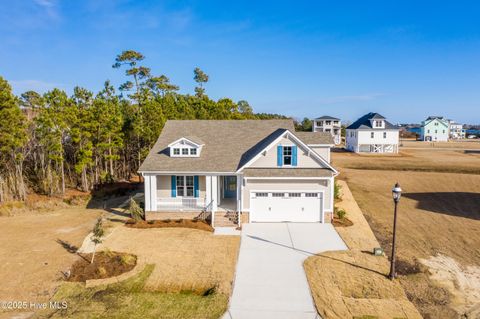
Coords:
pixel 168 223
pixel 343 222
pixel 105 265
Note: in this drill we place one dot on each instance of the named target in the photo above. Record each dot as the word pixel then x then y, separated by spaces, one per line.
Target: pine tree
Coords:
pixel 13 138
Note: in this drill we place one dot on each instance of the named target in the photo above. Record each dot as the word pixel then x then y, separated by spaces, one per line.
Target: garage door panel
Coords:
pixel 285 206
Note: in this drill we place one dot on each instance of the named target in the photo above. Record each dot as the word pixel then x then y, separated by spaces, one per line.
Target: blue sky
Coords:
pixel 404 59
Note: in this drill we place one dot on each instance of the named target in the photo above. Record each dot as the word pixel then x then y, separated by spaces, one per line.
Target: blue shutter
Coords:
pixel 279 155
pixel 294 155
pixel 195 186
pixel 174 186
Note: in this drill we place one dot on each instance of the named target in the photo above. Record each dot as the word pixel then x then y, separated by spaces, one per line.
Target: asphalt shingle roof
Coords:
pixel 229 144
pixel 312 138
pixel 326 117
pixel 365 124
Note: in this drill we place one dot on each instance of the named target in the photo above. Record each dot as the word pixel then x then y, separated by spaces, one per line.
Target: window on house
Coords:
pixel 184 151
pixel 311 194
pixel 319 123
pixel 384 134
pixel 287 155
pixel 372 134
pixel 193 151
pixel 278 194
pixel 436 131
pixel 185 186
pixel 328 122
pixel 443 131
pixel 294 194
pixel 176 151
pixel 261 194
pixel 335 122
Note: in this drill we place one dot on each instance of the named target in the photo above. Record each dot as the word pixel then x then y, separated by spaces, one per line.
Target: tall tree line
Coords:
pixel 52 141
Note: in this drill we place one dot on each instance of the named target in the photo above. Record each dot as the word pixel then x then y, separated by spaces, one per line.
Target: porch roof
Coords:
pixel 287 172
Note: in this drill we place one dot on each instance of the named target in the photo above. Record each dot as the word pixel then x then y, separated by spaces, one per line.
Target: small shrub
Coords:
pixel 151 222
pixel 127 259
pixel 108 253
pixel 341 213
pixel 167 220
pixel 337 191
pixel 102 271
pixel 136 212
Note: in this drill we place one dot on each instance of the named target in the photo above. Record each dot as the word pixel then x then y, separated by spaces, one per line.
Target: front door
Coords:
pixel 229 186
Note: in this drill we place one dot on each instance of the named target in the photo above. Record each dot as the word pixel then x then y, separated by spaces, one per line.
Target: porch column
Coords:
pixel 208 189
pixel 150 185
pixel 214 188
pixel 146 192
pixel 239 198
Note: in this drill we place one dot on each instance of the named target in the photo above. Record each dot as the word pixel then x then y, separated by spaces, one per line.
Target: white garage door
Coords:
pixel 281 206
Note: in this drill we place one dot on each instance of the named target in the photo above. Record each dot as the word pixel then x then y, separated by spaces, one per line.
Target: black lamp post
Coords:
pixel 396 194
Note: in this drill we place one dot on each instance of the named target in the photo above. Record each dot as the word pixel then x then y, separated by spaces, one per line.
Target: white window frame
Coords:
pixel 185 187
pixel 283 155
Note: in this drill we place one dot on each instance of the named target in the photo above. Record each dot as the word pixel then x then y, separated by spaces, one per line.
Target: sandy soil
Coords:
pixel 35 250
pixel 185 259
pixel 462 282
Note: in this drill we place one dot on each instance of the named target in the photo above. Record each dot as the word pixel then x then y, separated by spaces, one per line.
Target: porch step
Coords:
pixel 226 219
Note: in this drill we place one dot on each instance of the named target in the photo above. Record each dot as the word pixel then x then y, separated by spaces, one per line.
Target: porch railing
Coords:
pixel 182 203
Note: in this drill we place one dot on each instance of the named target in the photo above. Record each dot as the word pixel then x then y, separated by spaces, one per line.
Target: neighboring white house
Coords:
pixel 372 133
pixel 230 172
pixel 328 124
pixel 435 129
pixel 456 130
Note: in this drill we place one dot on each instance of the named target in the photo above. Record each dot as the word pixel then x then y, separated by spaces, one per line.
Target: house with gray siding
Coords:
pixel 239 171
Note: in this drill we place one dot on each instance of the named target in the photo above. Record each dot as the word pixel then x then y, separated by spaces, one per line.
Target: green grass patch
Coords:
pixel 129 299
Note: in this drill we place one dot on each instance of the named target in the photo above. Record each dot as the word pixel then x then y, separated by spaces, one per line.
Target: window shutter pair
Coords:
pixel 196 191
pixel 280 155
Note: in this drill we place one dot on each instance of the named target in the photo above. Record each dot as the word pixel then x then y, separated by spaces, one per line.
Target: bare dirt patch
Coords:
pixel 341 222
pixel 463 283
pixel 37 249
pixel 106 264
pixel 167 223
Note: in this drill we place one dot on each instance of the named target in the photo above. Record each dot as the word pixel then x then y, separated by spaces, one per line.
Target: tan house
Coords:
pixel 239 171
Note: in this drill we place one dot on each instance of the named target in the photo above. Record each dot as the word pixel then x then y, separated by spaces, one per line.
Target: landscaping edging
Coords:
pixel 139 267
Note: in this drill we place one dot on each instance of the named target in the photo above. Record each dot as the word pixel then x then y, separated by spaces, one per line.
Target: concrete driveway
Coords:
pixel 270 281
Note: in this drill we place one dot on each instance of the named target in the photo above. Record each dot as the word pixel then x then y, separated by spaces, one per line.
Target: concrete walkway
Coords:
pixel 270 281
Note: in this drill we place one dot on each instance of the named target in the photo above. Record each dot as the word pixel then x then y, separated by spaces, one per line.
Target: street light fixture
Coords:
pixel 396 194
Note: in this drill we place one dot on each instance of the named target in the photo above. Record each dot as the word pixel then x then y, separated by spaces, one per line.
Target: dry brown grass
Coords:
pixel 439 211
pixel 353 283
pixel 185 259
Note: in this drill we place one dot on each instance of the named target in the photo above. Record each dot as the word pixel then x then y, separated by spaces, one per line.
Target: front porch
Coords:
pixel 193 197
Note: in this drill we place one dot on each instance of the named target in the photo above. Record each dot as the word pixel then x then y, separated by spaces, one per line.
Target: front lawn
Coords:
pixel 130 299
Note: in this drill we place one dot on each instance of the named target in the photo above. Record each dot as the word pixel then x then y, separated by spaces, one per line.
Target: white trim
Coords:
pixel 287 133
pixel 184 139
pixel 321 145
pixel 144 173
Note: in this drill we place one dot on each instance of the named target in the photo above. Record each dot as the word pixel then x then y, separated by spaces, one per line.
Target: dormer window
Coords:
pixel 185 147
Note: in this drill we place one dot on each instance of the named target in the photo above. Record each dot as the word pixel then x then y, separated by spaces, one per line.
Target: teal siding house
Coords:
pixel 434 129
